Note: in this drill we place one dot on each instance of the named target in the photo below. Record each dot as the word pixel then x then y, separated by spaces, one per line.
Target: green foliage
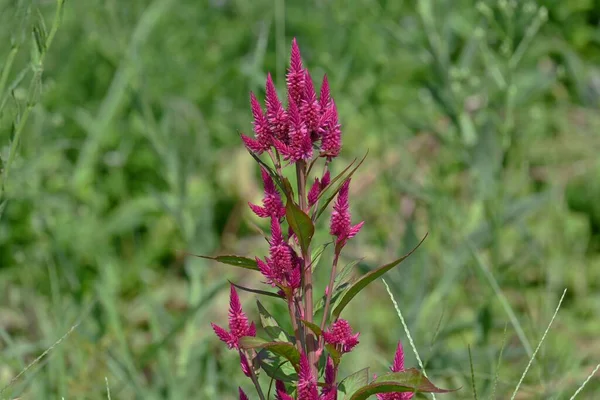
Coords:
pixel 119 152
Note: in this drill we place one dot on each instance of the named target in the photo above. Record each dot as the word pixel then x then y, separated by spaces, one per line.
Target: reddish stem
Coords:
pixel 306 272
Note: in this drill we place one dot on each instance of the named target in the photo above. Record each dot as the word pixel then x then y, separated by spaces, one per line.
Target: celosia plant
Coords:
pixel 304 363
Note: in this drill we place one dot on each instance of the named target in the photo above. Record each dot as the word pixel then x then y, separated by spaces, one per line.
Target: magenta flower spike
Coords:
pixel 331 141
pixel 276 114
pixel 242 394
pixel 329 392
pixel 397 366
pixel 307 383
pixel 281 394
pixel 314 192
pixel 272 205
pixel 300 143
pixel 238 323
pixel 261 129
pixel 340 225
pixel 325 180
pixel 282 267
pixel 245 365
pixel 295 75
pixel 340 335
pixel 325 95
pixel 310 108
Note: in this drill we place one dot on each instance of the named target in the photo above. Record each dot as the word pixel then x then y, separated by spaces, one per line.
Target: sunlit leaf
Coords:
pixel 410 380
pixel 284 349
pixel 353 382
pixel 236 261
pixel 300 223
pixel 270 325
pixel 256 291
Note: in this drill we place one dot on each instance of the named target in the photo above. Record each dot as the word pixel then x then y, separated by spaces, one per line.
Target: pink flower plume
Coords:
pixel 239 325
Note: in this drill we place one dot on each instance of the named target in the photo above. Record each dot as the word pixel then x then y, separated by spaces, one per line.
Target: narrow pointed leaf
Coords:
pixel 271 326
pixel 313 327
pixel 366 279
pixel 256 291
pixel 300 223
pixel 353 382
pixel 337 294
pixel 337 189
pixel 284 349
pixel 236 261
pixel 340 278
pixel 334 353
pixel 410 380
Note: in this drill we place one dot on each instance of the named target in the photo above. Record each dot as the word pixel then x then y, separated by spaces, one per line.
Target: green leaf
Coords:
pixel 316 255
pixel 300 223
pixel 257 291
pixel 353 382
pixel 337 189
pixel 343 274
pixel 271 326
pixel 284 349
pixel 410 380
pixel 366 279
pixel 236 261
pixel 313 327
pixel 276 367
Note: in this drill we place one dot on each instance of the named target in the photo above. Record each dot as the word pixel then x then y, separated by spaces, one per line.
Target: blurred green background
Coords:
pixel 481 120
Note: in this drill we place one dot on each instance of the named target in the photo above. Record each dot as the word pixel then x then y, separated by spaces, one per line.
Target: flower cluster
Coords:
pixel 307 122
pixel 303 132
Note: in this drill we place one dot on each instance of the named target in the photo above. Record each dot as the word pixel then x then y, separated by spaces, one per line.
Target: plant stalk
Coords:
pixel 329 291
pixel 306 272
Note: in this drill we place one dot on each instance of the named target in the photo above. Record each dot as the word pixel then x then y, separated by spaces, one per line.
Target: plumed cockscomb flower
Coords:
pixel 295 75
pixel 307 383
pixel 325 95
pixel 329 391
pixel 310 110
pixel 242 394
pixel 282 267
pixel 272 205
pixel 281 393
pixel 276 114
pixel 331 134
pixel 340 335
pixel 238 323
pixel 313 193
pixel 261 129
pixel 299 146
pixel 340 225
pixel 244 364
pixel 317 187
pixel 397 366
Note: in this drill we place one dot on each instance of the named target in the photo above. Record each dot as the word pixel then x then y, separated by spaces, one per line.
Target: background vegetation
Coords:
pixel 119 149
